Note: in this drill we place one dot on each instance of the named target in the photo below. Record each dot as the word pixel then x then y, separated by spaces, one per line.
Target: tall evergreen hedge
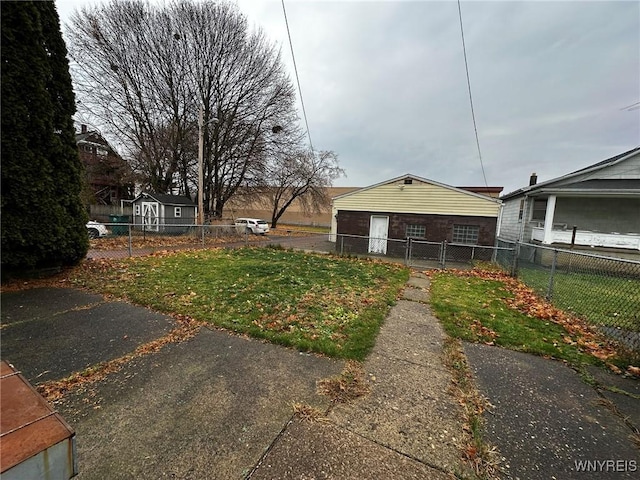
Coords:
pixel 43 220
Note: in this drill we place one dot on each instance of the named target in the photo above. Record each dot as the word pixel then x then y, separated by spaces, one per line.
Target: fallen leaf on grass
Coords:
pixel 635 371
pixel 526 301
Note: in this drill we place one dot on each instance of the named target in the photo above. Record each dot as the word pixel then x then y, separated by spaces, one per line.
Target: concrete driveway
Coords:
pixel 208 407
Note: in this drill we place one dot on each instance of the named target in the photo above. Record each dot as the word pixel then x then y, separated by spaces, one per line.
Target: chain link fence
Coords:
pixel 127 240
pixel 603 290
pixel 420 253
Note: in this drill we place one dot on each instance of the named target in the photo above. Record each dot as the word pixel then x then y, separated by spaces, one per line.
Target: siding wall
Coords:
pixel 438 227
pixel 510 226
pixel 418 198
pixel 624 170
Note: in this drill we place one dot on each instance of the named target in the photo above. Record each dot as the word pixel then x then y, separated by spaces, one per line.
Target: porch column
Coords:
pixel 548 219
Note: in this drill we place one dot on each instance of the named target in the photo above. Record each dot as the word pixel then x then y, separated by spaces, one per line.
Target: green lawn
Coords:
pixel 473 309
pixel 601 299
pixel 312 302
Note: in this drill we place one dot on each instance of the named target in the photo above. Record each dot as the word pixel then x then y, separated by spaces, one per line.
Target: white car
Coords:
pixel 96 229
pixel 253 225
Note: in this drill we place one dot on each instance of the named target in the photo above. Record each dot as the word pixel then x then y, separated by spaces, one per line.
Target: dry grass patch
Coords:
pixel 309 413
pixel 481 456
pixel 348 386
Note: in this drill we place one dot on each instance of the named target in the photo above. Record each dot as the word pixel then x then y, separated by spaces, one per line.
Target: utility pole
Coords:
pixel 200 162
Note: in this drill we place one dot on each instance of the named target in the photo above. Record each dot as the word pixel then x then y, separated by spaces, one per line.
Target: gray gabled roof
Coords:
pixel 591 168
pixel 167 199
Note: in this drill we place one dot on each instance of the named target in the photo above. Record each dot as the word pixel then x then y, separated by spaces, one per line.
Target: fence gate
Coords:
pixel 423 253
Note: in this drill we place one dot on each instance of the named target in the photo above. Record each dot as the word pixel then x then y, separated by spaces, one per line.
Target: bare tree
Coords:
pixel 143 71
pixel 303 176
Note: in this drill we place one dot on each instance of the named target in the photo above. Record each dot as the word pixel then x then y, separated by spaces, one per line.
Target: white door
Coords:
pixel 378 233
pixel 150 215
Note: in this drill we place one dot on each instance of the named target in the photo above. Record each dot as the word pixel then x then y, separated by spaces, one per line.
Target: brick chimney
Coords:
pixel 83 128
pixel 533 179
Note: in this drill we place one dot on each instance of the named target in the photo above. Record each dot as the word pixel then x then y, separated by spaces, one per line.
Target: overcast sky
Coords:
pixel 556 85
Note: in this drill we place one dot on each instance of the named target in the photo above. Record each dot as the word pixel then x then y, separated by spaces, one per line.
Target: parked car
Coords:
pixel 253 225
pixel 96 229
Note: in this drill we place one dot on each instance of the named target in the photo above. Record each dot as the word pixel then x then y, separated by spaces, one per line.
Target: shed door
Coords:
pixel 150 215
pixel 378 233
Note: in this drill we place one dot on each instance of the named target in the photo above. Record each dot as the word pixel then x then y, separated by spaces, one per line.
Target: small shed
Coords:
pixel 164 213
pixel 411 206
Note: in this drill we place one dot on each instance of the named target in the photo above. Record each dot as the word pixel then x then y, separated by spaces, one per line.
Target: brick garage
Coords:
pixel 413 207
pixel 438 228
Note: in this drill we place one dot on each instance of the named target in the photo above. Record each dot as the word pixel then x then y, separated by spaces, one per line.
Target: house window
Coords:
pixel 418 231
pixel 136 209
pixel 466 234
pixel 521 210
pixel 539 210
pixel 177 212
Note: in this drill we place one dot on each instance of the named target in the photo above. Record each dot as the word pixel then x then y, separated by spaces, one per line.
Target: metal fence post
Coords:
pixel 341 244
pixel 443 262
pixel 552 275
pixel 202 229
pixel 516 254
pixel 130 241
pixel 408 253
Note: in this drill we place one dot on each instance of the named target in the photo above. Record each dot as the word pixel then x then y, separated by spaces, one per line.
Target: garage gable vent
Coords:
pixel 408 181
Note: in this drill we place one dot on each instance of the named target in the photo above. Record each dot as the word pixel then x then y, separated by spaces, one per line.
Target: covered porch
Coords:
pixel 587 238
pixel 599 221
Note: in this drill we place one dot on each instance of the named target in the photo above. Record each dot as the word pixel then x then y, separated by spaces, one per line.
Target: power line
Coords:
pixel 473 115
pixel 295 69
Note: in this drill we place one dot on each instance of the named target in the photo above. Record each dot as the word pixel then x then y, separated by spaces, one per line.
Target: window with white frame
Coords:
pixel 416 231
pixel 177 212
pixel 466 234
pixel 136 209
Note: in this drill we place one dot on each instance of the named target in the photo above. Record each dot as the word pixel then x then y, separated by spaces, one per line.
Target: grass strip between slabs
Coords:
pixel 56 389
pixel 479 454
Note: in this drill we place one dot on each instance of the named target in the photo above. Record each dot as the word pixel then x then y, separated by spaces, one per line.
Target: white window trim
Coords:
pixel 177 212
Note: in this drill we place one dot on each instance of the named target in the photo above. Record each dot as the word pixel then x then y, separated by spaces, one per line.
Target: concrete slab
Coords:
pixel 411 333
pixel 415 295
pixel 546 419
pixel 408 409
pixel 29 305
pixel 627 404
pixel 78 331
pixel 421 281
pixel 307 451
pixel 206 408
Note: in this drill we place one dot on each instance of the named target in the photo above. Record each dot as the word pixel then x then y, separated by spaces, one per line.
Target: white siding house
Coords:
pixel 601 201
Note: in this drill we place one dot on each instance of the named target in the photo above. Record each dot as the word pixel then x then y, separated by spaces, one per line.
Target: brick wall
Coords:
pixel 438 227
